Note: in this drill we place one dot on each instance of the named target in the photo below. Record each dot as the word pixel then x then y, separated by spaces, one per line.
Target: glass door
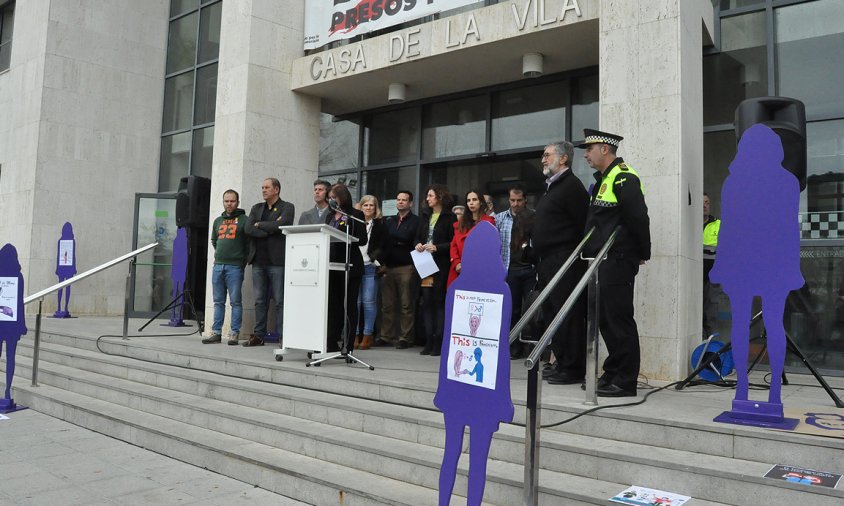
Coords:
pixel 155 221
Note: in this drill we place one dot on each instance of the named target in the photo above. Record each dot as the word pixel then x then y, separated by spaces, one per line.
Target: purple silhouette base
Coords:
pixel 757 414
pixel 8 406
pixel 62 314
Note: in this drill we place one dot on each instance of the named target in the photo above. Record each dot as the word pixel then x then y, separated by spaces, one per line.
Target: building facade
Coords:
pixel 140 94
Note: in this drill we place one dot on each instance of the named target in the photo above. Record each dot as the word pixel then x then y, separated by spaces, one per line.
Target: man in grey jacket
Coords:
pixel 316 215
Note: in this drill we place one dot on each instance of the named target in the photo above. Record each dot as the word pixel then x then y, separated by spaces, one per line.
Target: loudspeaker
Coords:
pixel 786 117
pixel 192 202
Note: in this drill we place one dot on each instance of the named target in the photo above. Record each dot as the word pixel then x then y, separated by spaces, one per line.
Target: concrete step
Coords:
pixel 413 417
pixel 604 460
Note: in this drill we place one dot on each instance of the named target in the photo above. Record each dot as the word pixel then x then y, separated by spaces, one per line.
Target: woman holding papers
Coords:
pixel 436 229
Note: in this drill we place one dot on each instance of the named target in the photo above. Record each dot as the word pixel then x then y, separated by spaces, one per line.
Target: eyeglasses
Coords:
pixel 547 155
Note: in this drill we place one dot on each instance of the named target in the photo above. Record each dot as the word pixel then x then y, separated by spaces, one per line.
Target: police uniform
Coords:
pixel 617 200
pixel 710 246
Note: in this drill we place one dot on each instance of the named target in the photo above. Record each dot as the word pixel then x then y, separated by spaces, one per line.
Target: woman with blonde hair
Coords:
pixel 376 232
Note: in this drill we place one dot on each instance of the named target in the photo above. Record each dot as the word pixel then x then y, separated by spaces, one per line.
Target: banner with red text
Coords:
pixel 330 20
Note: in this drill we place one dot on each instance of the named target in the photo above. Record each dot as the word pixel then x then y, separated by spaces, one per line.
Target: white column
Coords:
pixel 652 94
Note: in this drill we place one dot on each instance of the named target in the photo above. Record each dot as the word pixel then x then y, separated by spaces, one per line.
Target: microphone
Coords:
pixel 333 205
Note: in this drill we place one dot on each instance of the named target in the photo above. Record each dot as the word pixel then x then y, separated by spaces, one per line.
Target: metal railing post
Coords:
pixel 36 343
pixel 126 299
pixel 532 427
pixel 592 326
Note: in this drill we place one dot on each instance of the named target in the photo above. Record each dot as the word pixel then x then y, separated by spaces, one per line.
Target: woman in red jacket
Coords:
pixel 476 211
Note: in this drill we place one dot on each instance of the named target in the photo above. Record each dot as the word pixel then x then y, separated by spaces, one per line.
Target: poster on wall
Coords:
pixel 475 333
pixel 8 299
pixel 330 20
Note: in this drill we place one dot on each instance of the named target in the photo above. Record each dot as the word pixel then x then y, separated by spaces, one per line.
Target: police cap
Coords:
pixel 597 137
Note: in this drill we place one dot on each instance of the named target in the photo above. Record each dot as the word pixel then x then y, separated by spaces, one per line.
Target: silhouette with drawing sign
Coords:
pixel 471 393
pixel 12 318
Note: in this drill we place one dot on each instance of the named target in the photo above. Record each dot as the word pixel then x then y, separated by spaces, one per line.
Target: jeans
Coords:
pixel 265 278
pixel 366 298
pixel 227 278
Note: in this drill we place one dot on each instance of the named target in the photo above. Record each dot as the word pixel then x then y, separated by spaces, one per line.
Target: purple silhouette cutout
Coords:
pixel 465 404
pixel 758 254
pixel 65 268
pixel 11 330
pixel 178 272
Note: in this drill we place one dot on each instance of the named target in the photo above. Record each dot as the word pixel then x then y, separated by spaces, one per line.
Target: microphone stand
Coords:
pixel 345 352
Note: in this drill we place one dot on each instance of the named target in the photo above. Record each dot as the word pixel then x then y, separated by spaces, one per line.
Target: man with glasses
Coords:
pixel 560 224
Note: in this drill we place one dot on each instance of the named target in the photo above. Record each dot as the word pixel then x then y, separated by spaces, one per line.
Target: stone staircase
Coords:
pixel 323 436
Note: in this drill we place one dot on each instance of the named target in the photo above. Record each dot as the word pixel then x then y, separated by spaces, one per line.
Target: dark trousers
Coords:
pixel 569 342
pixel 618 327
pixel 336 279
pixel 433 308
pixel 521 279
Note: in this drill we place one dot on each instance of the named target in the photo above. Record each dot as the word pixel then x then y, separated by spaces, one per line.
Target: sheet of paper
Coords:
pixel 8 299
pixel 424 263
pixel 65 252
pixel 474 340
pixel 649 497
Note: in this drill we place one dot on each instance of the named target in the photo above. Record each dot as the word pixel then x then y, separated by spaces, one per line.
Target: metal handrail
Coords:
pixel 523 321
pixel 534 385
pixel 39 296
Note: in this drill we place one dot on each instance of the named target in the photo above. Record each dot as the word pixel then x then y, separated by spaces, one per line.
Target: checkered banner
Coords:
pixel 330 20
pixel 828 225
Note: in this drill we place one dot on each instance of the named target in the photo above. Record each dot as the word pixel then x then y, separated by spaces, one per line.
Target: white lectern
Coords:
pixel 306 269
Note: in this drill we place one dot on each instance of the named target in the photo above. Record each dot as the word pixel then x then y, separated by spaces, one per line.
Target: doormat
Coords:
pixel 818 421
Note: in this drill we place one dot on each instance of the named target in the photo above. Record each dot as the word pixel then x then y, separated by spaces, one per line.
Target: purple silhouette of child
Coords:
pixel 759 247
pixel 178 272
pixel 464 404
pixel 11 331
pixel 66 271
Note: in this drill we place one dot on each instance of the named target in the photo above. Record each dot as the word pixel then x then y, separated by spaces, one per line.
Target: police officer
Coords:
pixel 711 227
pixel 617 200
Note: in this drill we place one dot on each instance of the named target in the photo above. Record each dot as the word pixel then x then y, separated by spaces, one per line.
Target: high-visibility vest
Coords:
pixel 710 238
pixel 606 194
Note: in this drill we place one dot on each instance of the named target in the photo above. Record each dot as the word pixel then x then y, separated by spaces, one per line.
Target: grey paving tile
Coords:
pixel 66 496
pixel 162 495
pixel 120 485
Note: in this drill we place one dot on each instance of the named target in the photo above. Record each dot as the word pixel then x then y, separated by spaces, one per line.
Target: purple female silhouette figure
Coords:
pixel 12 319
pixel 465 404
pixel 178 272
pixel 65 267
pixel 759 253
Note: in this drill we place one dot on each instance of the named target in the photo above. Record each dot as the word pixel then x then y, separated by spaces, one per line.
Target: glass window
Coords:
pixel 807 35
pixel 181 6
pixel 339 144
pixel 350 179
pixel 178 102
pixel 206 95
pixel 825 186
pixel 209 33
pixel 737 4
pixel 385 185
pixel 7 23
pixel 181 47
pixel 532 116
pixel 175 159
pixel 739 72
pixel 393 136
pixel 584 114
pixel 456 127
pixel 203 152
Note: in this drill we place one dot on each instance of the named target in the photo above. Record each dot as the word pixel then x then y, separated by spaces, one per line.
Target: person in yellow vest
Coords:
pixel 618 200
pixel 711 226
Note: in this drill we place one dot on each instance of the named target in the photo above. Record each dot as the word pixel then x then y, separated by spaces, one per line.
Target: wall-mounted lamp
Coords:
pixel 397 93
pixel 532 65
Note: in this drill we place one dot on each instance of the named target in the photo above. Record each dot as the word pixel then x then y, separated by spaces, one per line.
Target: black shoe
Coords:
pixel 615 391
pixel 602 383
pixel 402 345
pixel 213 338
pixel 564 378
pixel 253 341
pixel 425 351
pixel 381 342
pixel 549 370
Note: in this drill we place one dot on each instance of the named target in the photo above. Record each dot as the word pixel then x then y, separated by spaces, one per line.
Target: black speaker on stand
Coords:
pixel 786 117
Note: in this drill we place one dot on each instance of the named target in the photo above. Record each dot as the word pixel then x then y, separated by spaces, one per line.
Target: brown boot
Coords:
pixel 357 342
pixel 367 342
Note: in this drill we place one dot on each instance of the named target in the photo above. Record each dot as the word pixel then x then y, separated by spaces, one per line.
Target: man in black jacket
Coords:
pixel 266 254
pixel 559 227
pixel 618 201
pixel 397 286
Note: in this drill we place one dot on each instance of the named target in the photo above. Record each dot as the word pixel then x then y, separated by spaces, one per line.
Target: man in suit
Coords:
pixel 316 215
pixel 266 255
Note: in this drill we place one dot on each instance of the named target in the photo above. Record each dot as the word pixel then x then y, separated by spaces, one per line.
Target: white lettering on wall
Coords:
pixel 345 63
pixel 535 11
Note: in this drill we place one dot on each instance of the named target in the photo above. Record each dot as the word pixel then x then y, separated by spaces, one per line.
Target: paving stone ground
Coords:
pixel 47 461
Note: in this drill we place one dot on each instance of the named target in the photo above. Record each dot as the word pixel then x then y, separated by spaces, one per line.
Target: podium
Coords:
pixel 306 269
